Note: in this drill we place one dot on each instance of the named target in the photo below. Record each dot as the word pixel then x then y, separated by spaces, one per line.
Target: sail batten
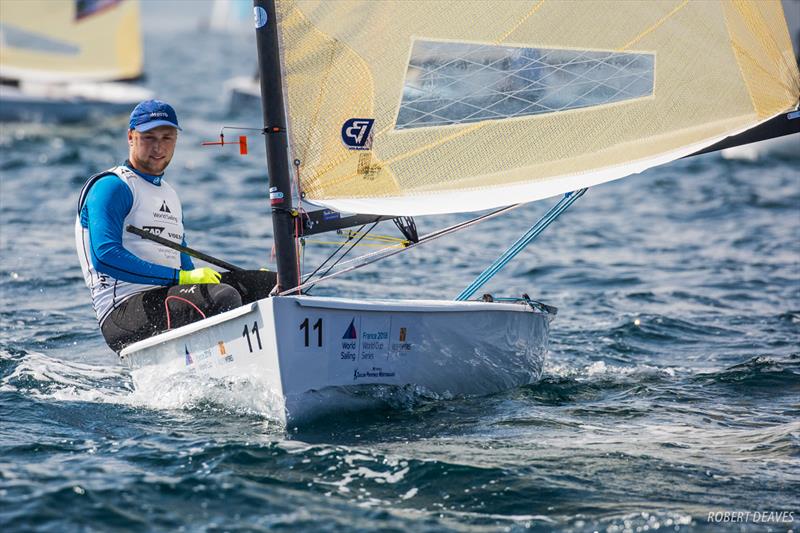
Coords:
pixel 430 107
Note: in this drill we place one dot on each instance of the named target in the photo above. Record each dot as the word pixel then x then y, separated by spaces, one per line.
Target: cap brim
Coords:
pixel 147 126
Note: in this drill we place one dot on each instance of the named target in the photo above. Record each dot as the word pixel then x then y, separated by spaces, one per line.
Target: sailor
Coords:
pixel 139 287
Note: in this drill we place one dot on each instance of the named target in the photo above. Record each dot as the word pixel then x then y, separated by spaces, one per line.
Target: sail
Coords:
pixel 423 107
pixel 70 40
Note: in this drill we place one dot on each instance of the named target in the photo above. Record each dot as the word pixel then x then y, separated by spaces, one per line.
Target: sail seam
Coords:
pixel 318 106
pixel 654 26
pixel 533 10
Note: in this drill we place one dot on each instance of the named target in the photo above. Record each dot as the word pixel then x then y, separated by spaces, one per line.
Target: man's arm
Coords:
pixel 108 203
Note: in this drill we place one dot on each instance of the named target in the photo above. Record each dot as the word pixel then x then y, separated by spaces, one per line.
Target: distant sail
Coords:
pixel 70 40
pixel 410 108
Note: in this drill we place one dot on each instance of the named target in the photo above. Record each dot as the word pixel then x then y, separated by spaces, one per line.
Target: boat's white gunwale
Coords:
pixel 436 306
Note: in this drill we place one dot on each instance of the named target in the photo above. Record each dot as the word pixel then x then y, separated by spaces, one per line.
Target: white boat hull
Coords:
pixel 307 349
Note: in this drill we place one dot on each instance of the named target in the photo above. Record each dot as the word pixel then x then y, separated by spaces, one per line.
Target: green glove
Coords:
pixel 199 275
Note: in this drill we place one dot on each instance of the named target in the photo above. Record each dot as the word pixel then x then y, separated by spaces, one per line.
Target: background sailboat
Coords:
pixel 69 61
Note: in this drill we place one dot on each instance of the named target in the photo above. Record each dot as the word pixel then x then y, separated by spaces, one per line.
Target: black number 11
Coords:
pixel 317 326
pixel 246 333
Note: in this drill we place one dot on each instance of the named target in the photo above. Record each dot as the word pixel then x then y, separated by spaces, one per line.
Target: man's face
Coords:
pixel 151 151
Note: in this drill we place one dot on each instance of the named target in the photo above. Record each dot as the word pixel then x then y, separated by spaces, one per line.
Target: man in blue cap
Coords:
pixel 139 287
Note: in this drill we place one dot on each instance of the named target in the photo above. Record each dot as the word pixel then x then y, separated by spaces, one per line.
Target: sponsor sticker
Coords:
pixel 375 372
pixel 223 353
pixel 155 230
pixel 275 196
pixel 357 133
pixel 260 16
pixel 349 349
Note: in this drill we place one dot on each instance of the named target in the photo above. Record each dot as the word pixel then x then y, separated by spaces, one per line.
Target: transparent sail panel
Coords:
pixel 457 83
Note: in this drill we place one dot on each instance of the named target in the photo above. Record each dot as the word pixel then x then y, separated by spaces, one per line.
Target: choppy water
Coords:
pixel 672 388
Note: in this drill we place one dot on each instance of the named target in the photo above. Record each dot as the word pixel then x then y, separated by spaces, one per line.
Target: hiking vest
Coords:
pixel 157 209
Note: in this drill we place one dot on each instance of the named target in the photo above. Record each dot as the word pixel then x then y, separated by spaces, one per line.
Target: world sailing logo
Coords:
pixel 189 360
pixel 351 331
pixel 349 343
pixel 357 133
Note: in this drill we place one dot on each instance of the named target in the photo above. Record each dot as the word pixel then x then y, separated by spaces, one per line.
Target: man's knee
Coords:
pixel 224 297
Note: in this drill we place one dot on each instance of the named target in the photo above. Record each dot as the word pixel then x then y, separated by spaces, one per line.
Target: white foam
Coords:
pixel 46 377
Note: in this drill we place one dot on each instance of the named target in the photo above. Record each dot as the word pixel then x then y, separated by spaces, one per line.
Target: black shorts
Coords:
pixel 157 310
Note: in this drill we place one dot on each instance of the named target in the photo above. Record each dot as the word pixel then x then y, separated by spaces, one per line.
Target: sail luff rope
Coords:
pixel 520 244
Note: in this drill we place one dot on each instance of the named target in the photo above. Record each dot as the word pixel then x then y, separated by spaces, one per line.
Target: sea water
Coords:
pixel 670 399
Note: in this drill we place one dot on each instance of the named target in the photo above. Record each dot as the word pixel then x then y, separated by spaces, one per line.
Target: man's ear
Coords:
pixel 130 137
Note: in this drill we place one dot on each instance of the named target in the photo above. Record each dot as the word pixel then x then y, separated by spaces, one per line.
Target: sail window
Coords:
pixel 457 83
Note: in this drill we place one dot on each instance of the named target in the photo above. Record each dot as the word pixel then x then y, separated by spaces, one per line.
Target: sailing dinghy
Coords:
pixel 67 61
pixel 393 109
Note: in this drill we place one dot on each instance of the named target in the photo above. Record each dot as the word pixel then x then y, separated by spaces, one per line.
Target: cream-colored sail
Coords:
pixel 70 40
pixel 422 107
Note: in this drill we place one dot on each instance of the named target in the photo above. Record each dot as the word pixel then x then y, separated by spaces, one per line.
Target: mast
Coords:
pixel 275 137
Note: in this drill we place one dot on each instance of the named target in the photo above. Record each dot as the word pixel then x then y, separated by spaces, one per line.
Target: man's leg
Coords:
pixel 185 304
pixel 133 321
pixel 252 285
pixel 151 312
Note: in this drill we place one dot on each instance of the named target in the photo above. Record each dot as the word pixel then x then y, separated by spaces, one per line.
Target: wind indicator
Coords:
pixel 242 142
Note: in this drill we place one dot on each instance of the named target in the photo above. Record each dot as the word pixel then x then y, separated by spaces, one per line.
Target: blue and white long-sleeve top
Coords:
pixel 117 264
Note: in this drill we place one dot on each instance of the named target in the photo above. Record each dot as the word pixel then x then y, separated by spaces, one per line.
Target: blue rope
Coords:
pixel 521 243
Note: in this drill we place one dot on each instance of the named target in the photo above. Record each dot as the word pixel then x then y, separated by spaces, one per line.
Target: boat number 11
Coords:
pixel 254 330
pixel 317 327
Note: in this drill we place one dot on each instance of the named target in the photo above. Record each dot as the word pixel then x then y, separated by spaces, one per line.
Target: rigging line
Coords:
pixel 370 245
pixel 297 245
pixel 341 257
pixel 390 251
pixel 566 201
pixel 349 238
pixel 382 238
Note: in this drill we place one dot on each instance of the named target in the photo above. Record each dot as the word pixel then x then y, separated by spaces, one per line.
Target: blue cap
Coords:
pixel 152 114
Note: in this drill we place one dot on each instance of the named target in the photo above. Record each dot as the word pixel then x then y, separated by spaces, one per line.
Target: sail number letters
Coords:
pixel 308 333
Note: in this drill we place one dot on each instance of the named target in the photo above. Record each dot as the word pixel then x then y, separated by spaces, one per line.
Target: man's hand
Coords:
pixel 199 275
